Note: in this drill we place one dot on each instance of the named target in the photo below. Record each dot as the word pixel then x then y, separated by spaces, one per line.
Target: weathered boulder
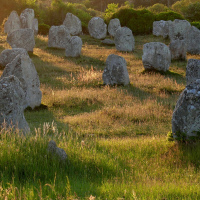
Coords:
pixel 161 28
pixel 113 25
pixel 97 28
pixel 192 70
pixel 73 49
pixel 124 40
pixel 108 42
pixel 59 37
pixel 12 100
pixel 22 38
pixel 59 153
pixel 193 44
pixel 73 24
pixel 178 49
pixel 186 115
pixel 115 72
pixel 13 23
pixel 27 18
pixel 179 29
pixel 23 68
pixel 8 55
pixel 156 55
pixel 35 26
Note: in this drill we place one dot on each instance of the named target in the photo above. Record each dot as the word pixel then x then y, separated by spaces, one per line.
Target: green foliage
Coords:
pixel 170 137
pixel 158 8
pixel 111 9
pixel 192 12
pixel 196 24
pixel 168 16
pixel 43 29
pixel 139 21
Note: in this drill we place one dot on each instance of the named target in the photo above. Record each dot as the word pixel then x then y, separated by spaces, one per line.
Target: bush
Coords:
pixel 196 24
pixel 139 21
pixel 43 29
pixel 158 8
pixel 192 12
pixel 168 16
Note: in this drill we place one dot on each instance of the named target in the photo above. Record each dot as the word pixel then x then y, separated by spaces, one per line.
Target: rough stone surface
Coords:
pixel 13 23
pixel 161 28
pixel 56 151
pixel 22 38
pixel 113 25
pixel 59 37
pixel 23 68
pixel 156 55
pixel 8 55
pixel 115 72
pixel 192 70
pixel 27 18
pixel 193 44
pixel 178 49
pixel 179 29
pixel 74 47
pixel 73 24
pixel 186 115
pixel 12 99
pixel 35 26
pixel 97 28
pixel 108 42
pixel 124 40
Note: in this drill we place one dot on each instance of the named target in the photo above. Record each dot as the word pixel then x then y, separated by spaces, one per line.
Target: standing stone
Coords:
pixel 73 49
pixel 97 28
pixel 27 18
pixel 193 44
pixel 113 25
pixel 23 68
pixel 186 115
pixel 115 72
pixel 156 55
pixel 192 70
pixel 179 29
pixel 178 49
pixel 13 23
pixel 35 26
pixel 59 37
pixel 124 40
pixel 161 28
pixel 53 150
pixel 8 55
pixel 73 24
pixel 22 38
pixel 12 100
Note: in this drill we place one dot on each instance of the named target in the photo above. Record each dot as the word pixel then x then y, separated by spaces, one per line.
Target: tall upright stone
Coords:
pixel 27 18
pixel 23 68
pixel 13 23
pixel 115 72
pixel 113 25
pixel 156 55
pixel 35 26
pixel 73 24
pixel 59 37
pixel 161 28
pixel 192 70
pixel 124 39
pixel 22 38
pixel 73 49
pixel 97 28
pixel 12 100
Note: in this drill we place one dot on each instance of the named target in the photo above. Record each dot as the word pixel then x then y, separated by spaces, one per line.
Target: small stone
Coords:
pixel 192 70
pixel 73 49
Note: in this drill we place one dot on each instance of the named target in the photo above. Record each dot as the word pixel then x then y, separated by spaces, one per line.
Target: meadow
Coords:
pixel 115 137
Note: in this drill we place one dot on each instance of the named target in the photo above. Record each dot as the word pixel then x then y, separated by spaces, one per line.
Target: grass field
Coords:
pixel 115 137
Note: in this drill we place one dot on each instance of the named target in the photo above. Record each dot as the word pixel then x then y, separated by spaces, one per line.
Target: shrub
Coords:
pixel 192 11
pixel 168 16
pixel 139 21
pixel 158 8
pixel 43 29
pixel 196 24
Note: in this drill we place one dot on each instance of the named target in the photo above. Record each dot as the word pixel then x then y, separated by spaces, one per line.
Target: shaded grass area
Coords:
pixel 115 137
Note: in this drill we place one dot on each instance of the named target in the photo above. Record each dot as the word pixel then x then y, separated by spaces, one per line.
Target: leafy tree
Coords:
pixel 192 11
